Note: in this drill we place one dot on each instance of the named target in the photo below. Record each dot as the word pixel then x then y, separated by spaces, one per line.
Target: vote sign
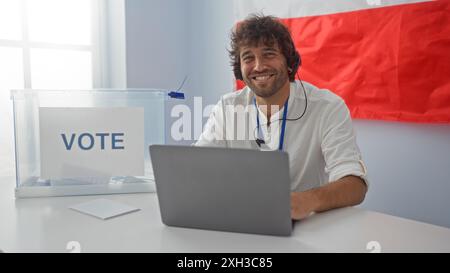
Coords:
pixel 91 142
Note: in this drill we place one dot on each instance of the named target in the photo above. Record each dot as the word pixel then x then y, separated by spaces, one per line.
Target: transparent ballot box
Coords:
pixel 84 142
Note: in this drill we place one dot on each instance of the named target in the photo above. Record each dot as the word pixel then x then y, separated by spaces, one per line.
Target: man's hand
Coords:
pixel 303 204
pixel 347 191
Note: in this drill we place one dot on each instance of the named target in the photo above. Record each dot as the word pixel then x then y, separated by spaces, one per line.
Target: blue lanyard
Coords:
pixel 283 124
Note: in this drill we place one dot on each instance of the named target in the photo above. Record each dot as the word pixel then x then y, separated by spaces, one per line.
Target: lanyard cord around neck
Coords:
pixel 283 124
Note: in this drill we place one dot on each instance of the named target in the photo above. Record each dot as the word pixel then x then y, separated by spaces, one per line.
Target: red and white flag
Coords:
pixel 388 59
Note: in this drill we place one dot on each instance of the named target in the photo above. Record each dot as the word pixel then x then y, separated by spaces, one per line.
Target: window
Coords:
pixel 44 44
pixel 56 40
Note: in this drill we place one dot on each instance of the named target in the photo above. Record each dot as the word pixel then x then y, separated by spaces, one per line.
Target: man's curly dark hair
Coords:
pixel 257 29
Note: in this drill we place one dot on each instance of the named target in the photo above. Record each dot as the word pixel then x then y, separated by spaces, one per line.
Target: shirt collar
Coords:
pixel 276 116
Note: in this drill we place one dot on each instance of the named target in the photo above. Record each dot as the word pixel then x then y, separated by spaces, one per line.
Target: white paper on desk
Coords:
pixel 103 208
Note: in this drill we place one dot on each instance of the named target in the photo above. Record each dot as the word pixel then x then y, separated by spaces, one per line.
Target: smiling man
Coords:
pixel 312 125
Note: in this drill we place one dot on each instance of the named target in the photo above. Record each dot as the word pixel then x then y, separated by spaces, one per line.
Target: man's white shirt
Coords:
pixel 321 145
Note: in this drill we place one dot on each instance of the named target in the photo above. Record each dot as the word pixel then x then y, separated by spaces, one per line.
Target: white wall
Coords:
pixel 169 39
pixel 112 45
pixel 408 164
pixel 156 45
pixel 409 169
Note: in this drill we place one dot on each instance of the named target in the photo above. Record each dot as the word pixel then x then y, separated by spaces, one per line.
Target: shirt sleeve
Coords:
pixel 339 148
pixel 213 134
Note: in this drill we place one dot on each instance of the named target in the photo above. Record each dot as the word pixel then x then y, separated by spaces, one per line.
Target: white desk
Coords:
pixel 47 225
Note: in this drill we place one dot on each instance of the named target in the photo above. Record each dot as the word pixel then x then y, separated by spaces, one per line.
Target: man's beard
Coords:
pixel 271 89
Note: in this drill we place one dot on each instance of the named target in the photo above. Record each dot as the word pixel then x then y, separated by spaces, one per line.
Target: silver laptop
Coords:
pixel 222 189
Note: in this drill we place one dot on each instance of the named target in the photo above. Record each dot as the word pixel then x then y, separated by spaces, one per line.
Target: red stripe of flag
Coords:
pixel 389 63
